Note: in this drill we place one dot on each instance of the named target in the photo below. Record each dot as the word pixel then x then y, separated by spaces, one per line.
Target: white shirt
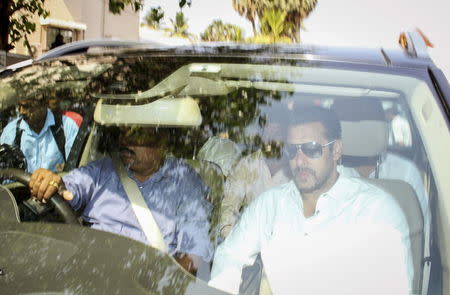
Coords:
pixel 395 167
pixel 222 151
pixel 276 216
pixel 249 178
pixel 400 131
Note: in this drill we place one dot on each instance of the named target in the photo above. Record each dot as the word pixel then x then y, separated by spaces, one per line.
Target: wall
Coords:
pixel 94 14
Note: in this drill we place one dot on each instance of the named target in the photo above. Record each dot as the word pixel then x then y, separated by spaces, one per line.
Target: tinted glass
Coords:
pixel 247 106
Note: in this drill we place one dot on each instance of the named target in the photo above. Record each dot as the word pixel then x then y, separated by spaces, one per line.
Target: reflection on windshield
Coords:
pixel 251 156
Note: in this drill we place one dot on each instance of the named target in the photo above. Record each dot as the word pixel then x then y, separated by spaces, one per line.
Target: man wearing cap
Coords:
pixel 288 220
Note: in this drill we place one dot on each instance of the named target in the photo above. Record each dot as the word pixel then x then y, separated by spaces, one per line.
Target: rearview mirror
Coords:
pixel 167 111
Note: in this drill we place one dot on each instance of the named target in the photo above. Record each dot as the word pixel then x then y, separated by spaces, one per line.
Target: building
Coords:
pixel 79 20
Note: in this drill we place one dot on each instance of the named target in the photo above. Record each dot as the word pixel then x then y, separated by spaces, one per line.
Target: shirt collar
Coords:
pixel 340 190
pixel 49 121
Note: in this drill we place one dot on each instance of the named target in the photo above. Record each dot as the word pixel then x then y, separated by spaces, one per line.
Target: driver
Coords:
pixel 172 190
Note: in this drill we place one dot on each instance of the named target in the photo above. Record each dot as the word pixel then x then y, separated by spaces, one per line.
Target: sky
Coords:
pixel 361 23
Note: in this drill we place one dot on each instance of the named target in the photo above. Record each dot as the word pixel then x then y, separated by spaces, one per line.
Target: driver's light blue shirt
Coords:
pixel 175 195
pixel 41 150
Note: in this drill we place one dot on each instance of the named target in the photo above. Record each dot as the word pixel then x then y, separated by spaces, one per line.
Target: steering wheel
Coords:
pixel 61 206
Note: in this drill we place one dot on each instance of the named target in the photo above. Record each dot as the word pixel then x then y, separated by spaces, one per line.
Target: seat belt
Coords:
pixel 140 208
pixel 264 288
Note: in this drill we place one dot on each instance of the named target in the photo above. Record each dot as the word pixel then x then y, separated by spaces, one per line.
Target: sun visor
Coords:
pixel 168 111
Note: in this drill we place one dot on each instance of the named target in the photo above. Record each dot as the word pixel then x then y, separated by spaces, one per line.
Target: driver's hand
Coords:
pixel 44 184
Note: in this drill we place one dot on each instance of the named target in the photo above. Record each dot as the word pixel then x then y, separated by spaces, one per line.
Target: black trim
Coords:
pixel 80 140
pixel 438 78
pixel 435 284
pixel 58 134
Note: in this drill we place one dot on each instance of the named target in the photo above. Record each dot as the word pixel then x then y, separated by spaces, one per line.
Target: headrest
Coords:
pixel 221 151
pixel 364 127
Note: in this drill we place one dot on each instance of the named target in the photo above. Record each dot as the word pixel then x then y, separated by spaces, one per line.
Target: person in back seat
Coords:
pixel 257 172
pixel 221 151
pixel 386 165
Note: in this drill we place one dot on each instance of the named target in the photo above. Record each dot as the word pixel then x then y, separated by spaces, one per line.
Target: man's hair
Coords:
pixel 40 99
pixel 303 114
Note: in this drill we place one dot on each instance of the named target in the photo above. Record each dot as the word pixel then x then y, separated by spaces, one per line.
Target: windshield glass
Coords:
pixel 279 149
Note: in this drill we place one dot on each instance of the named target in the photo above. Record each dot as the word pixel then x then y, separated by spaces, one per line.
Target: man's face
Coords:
pixel 142 149
pixel 53 104
pixel 313 174
pixel 33 111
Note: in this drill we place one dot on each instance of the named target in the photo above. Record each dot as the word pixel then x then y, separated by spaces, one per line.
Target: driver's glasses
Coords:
pixel 311 149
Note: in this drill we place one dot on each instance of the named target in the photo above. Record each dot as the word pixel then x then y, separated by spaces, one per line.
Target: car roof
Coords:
pixel 84 45
pixel 349 55
pixel 355 55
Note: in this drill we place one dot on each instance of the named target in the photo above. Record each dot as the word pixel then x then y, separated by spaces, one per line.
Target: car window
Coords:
pixel 240 149
pixel 239 102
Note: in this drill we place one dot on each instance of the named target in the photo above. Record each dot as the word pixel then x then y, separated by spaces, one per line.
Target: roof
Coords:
pixel 370 56
pixel 350 55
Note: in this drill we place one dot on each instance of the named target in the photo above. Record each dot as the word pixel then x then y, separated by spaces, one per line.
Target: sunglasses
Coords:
pixel 311 149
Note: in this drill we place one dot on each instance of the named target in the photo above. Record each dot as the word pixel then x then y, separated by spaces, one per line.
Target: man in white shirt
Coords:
pixel 315 205
pixel 400 129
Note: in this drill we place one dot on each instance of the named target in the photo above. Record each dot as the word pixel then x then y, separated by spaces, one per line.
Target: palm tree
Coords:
pixel 274 28
pixel 297 11
pixel 179 25
pixel 154 16
pixel 248 9
pixel 219 31
pixel 273 23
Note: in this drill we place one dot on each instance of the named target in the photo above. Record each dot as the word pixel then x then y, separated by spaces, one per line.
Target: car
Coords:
pixel 78 47
pixel 217 101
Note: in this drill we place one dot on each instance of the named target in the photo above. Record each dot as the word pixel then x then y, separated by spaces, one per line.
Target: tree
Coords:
pixel 16 20
pixel 248 9
pixel 218 31
pixel 296 12
pixel 179 25
pixel 16 17
pixel 117 6
pixel 275 27
pixel 154 16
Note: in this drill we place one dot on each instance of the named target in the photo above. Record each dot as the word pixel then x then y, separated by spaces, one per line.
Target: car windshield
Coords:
pixel 229 117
